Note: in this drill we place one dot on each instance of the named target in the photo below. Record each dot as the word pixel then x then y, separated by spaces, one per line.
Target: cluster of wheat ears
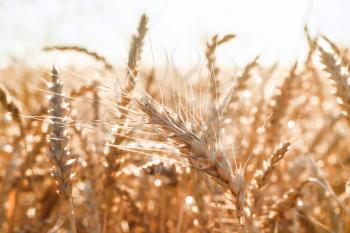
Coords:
pixel 257 149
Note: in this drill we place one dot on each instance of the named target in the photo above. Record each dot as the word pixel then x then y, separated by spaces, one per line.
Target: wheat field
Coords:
pixel 261 149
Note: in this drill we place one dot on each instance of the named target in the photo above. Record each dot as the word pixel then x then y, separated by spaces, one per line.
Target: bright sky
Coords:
pixel 178 28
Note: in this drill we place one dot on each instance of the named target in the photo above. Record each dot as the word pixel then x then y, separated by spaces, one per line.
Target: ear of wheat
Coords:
pixel 338 72
pixel 82 50
pixel 211 63
pixel 59 152
pixel 10 105
pixel 112 152
pixel 278 107
pixel 194 145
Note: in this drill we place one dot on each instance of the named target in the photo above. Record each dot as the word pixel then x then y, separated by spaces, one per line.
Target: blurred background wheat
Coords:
pixel 174 116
